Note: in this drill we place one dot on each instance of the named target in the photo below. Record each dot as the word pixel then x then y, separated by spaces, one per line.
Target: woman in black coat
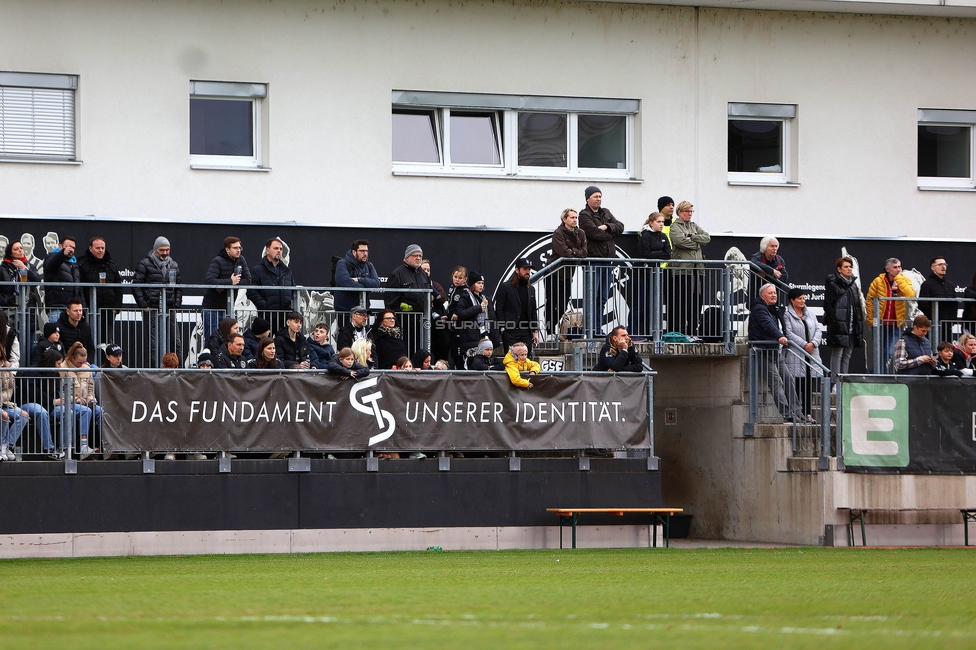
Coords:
pixel 652 245
pixel 388 340
pixel 842 315
pixel 469 313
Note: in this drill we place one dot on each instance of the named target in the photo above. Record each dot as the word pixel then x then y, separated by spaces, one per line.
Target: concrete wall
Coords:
pixel 330 67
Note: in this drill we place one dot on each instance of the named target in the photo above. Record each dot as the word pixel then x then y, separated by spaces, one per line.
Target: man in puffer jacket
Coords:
pixel 61 270
pixel 159 268
pixel 271 271
pixel 228 268
pixel 355 270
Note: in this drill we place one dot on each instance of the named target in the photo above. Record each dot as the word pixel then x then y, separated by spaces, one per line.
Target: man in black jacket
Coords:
pixel 618 353
pixel 73 327
pixel 409 275
pixel 765 330
pixel 936 286
pixel 515 308
pixel 355 329
pixel 61 270
pixel 271 271
pixel 230 354
pixel 228 268
pixel 290 346
pixel 600 227
pixel 96 265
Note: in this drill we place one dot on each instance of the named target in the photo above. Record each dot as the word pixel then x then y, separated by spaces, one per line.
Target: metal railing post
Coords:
pixel 231 299
pixel 838 423
pixel 426 324
pixel 657 303
pixel 935 332
pixel 589 309
pixel 753 386
pixel 96 320
pixel 876 335
pixel 162 329
pixel 728 338
pixel 650 413
pixel 26 338
pixel 825 422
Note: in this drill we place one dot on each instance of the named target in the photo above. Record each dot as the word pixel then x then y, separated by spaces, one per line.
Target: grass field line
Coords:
pixel 530 622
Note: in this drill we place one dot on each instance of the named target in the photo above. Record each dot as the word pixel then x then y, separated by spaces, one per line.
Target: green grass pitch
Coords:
pixel 795 597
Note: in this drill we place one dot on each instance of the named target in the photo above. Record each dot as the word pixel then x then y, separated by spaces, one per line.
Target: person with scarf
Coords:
pixel 388 339
pixel 568 242
pixel 158 267
pixel 618 353
pixel 471 309
pixel 15 268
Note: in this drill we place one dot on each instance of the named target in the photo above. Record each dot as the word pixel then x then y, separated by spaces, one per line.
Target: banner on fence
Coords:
pixel 201 411
pixel 910 425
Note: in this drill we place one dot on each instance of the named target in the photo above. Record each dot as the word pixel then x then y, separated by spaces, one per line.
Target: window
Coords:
pixel 226 125
pixel 762 144
pixel 37 116
pixel 945 149
pixel 513 136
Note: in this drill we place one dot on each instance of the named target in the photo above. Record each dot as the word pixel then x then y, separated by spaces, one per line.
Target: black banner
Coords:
pixel 909 425
pixel 239 411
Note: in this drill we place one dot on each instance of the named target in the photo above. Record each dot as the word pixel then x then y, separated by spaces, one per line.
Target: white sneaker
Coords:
pixel 3 452
pixel 85 452
pixel 10 454
pixel 169 457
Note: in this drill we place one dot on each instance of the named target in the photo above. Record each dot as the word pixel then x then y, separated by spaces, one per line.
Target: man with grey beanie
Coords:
pixel 409 275
pixel 600 227
pixel 159 268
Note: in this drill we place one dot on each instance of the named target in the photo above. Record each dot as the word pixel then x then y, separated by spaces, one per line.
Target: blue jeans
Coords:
pixel 83 415
pixel 11 428
pixel 42 420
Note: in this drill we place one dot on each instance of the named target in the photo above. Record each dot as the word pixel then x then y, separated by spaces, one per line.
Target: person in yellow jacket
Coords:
pixel 893 313
pixel 516 362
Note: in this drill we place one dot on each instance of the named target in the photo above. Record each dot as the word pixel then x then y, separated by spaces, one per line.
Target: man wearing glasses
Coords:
pixel 936 286
pixel 355 270
pixel 228 268
pixel 409 275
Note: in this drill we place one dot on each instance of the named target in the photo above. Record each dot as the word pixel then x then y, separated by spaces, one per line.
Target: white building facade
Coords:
pixel 462 114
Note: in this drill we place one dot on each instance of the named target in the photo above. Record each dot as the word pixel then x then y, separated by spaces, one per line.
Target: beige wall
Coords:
pixel 331 66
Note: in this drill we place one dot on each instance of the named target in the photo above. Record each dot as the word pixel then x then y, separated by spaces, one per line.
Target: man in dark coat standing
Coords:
pixel 409 275
pixel 96 265
pixel 936 286
pixel 273 304
pixel 515 308
pixel 355 270
pixel 61 270
pixel 600 227
pixel 158 267
pixel 764 329
pixel 228 268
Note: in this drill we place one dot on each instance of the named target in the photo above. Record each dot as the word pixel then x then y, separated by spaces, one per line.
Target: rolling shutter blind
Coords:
pixel 37 123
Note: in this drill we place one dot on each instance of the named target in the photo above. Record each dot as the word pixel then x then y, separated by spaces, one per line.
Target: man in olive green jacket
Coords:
pixel 685 295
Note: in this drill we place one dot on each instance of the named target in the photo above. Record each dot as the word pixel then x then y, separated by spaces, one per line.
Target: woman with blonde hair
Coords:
pixel 685 296
pixel 85 407
pixel 363 349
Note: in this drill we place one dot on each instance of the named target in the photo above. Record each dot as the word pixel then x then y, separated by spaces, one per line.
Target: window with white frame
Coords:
pixel 37 116
pixel 226 124
pixel 762 143
pixel 946 148
pixel 513 135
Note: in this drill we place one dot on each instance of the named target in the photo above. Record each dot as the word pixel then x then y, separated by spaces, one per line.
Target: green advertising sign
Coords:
pixel 875 425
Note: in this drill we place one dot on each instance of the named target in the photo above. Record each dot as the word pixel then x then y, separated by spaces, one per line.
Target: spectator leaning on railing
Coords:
pixel 913 352
pixel 618 353
pixel 158 267
pixel 516 362
pixel 765 331
pixel 890 284
pixel 61 276
pixel 356 271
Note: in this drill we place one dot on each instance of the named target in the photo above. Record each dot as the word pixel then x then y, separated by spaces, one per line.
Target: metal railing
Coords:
pixel 947 325
pixel 147 333
pixel 705 300
pixel 778 396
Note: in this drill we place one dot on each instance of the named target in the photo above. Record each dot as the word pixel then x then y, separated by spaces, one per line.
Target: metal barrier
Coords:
pixel 147 333
pixel 50 412
pixel 777 396
pixel 701 299
pixel 947 325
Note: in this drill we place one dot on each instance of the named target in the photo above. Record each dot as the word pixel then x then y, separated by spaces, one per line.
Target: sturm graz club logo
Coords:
pixel 615 311
pixel 369 404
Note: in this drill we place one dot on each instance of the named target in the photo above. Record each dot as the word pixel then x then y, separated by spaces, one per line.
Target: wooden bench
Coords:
pixel 857 515
pixel 661 516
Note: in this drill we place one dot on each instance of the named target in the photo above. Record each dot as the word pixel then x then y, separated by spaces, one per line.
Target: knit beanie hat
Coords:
pixel 589 191
pixel 260 326
pixel 411 249
pixel 485 345
pixel 160 241
pixel 474 276
pixel 50 328
pixel 663 201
